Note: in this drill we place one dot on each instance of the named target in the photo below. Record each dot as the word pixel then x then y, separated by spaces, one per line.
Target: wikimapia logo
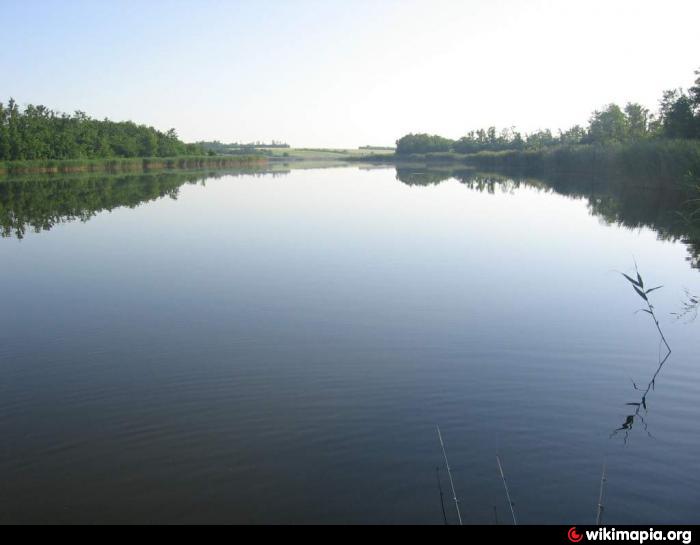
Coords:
pixel 634 536
pixel 574 536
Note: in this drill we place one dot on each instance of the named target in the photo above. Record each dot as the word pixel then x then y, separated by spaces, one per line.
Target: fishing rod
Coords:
pixel 442 498
pixel 449 474
pixel 603 480
pixel 505 485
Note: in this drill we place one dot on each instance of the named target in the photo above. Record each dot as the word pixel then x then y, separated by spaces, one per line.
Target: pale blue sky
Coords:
pixel 332 73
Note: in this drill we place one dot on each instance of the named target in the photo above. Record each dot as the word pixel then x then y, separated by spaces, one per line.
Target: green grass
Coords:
pixel 131 164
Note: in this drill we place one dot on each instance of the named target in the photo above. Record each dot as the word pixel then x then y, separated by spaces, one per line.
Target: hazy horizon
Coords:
pixel 334 74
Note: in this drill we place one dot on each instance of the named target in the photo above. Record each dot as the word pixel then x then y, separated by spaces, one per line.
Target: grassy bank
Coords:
pixel 131 164
pixel 658 160
pixel 662 160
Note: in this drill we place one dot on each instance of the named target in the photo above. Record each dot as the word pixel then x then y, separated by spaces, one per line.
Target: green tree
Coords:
pixel 694 92
pixel 4 136
pixel 40 133
pixel 637 120
pixel 540 139
pixel 608 125
pixel 423 143
pixel 676 112
pixel 13 130
pixel 575 135
pixel 148 144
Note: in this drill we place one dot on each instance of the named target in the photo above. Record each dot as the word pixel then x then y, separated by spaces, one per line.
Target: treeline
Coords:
pixel 38 133
pixel 678 118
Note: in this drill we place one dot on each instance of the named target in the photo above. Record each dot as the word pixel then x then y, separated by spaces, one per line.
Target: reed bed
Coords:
pixel 131 164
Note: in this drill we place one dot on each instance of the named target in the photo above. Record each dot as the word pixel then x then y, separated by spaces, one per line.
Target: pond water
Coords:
pixel 261 348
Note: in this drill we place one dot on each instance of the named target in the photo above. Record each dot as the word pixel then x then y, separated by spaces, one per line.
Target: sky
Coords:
pixel 327 73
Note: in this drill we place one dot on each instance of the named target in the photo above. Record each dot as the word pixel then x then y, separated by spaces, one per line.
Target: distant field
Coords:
pixel 316 154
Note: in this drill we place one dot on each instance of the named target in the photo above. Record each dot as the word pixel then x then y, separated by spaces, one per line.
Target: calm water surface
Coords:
pixel 279 349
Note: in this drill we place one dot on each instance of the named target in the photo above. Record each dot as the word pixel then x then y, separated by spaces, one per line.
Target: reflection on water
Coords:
pixel 674 215
pixel 281 350
pixel 689 307
pixel 630 419
pixel 40 203
pixel 644 292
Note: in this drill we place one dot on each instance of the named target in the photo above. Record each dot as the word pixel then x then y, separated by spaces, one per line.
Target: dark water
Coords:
pixel 272 349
